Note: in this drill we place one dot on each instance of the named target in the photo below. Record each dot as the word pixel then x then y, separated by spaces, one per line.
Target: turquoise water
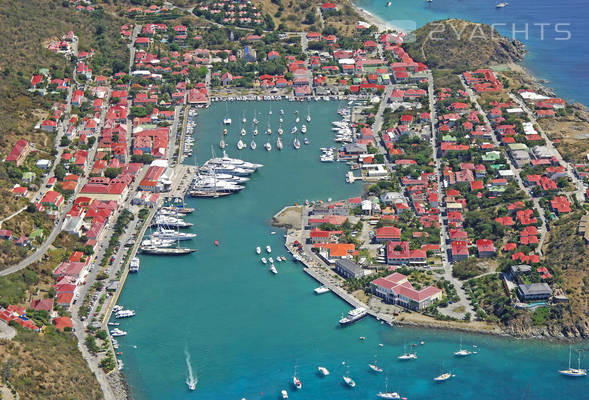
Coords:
pixel 562 62
pixel 246 329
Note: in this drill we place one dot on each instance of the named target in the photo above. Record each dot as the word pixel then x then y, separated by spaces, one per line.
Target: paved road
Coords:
pixel 516 171
pixel 444 236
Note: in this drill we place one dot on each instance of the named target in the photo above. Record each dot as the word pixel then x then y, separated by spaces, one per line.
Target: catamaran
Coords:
pixel 407 356
pixel 388 395
pixel 574 372
pixel 462 352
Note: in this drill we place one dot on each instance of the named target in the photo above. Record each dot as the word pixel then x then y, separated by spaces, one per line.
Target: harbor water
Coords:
pixel 246 329
pixel 542 25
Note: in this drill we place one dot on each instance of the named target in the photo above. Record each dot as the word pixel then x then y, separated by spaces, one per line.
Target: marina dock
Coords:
pixel 328 278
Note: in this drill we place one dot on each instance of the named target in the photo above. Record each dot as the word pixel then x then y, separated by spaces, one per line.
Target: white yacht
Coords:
pixel 243 132
pixel 125 314
pixel 279 145
pixel 323 371
pixel 273 269
pixel 117 332
pixel 134 265
pixel 374 367
pixel 574 372
pixel 443 377
pixel 267 146
pixel 462 352
pixel 269 249
pixel 294 129
pixel 502 4
pixel 222 144
pixel 227 121
pixel 258 250
pixel 264 261
pixel 280 131
pixel 225 131
pixel 284 394
pixel 271 260
pixel 304 128
pixel 349 381
pixel 170 234
pixel 296 382
pixel 321 290
pixel 296 143
pixel 306 141
pixel 240 145
pixel 353 315
pixel 297 120
pixel 253 145
pixel 407 356
pixel 256 132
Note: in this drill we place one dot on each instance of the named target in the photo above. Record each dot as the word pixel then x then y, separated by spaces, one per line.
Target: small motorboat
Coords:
pixel 253 145
pixel 296 143
pixel 284 394
pixel 264 261
pixel 443 377
pixel 240 145
pixel 258 250
pixel 306 141
pixel 267 146
pixel 222 144
pixel 243 132
pixel 323 371
pixel 297 383
pixel 271 260
pixel 273 269
pixel 349 381
pixel 269 249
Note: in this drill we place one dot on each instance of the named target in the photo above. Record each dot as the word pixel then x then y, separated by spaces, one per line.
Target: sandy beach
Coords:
pixel 381 24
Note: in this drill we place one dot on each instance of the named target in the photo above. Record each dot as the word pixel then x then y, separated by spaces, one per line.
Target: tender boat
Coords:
pixel 354 315
pixel 321 290
pixel 323 371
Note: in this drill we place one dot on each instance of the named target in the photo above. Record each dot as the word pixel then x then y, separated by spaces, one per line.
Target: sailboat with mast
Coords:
pixel 462 352
pixel 574 372
pixel 388 395
pixel 444 376
pixel 308 114
pixel 191 379
pixel 374 367
pixel 279 145
pixel 407 356
pixel 347 379
pixel 296 381
pixel 226 120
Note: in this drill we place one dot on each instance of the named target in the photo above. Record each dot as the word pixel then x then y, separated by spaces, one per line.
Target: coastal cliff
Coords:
pixel 462 45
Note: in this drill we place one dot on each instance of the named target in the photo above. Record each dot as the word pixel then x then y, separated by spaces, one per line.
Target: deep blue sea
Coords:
pixel 564 63
pixel 246 329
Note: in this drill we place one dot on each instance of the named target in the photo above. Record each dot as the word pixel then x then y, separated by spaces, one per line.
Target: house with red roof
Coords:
pixel 396 289
pixel 485 248
pixel 52 200
pixel 387 233
pixel 42 305
pixel 320 236
pixel 399 253
pixel 560 205
pixel 459 250
pixel 63 323
pixel 328 7
pixel 19 152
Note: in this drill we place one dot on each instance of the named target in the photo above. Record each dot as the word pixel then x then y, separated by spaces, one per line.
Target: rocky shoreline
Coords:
pixel 119 386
